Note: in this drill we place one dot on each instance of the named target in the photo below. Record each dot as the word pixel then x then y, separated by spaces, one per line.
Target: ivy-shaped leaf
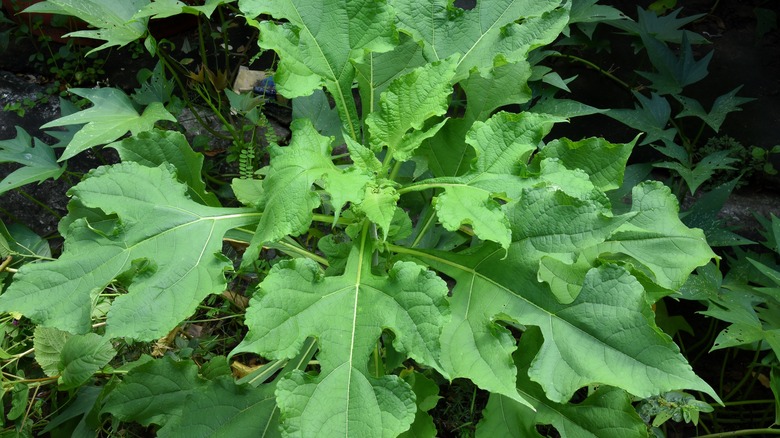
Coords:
pixel 666 28
pixel 722 106
pixel 36 157
pixel 347 314
pixel 175 239
pixel 699 173
pixel 155 148
pixel 114 21
pixel 319 43
pixel 111 117
pixel 578 350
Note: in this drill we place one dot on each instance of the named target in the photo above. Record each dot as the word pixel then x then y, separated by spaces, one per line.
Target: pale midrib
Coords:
pixel 343 100
pixel 476 43
pixel 358 279
pixel 473 272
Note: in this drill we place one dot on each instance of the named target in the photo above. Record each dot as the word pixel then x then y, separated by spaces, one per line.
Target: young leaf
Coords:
pixel 38 161
pixel 293 171
pixel 114 21
pixel 319 44
pixel 505 84
pixel 112 116
pixel 347 314
pixel 178 239
pixel 605 413
pixel 502 143
pixel 406 104
pixel 507 27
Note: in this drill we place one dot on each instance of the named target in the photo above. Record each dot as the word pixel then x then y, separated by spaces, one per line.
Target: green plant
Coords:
pixel 755 161
pixel 442 236
pixel 666 130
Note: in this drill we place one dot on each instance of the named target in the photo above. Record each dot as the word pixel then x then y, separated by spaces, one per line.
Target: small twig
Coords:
pixel 5 263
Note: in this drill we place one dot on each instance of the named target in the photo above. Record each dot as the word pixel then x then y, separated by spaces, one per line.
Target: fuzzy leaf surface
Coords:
pixel 347 314
pixel 112 116
pixel 505 84
pixel 114 20
pixel 579 350
pixel 176 240
pixel 319 44
pixel 407 103
pixel 507 27
pixel 604 162
pixel 155 148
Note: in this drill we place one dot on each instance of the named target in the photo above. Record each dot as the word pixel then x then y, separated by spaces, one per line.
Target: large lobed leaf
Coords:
pixel 347 314
pixel 606 413
pixel 507 27
pixel 115 21
pixel 165 243
pixel 606 333
pixel 173 395
pixel 318 44
pixel 288 198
